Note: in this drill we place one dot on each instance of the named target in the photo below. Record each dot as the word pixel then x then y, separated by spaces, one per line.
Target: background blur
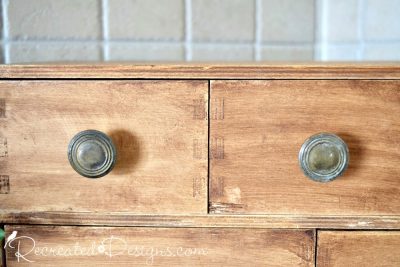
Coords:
pixel 200 30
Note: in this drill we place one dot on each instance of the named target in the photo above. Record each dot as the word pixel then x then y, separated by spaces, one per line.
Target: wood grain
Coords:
pixel 211 220
pixel 162 246
pixel 365 248
pixel 158 127
pixel 264 123
pixel 204 71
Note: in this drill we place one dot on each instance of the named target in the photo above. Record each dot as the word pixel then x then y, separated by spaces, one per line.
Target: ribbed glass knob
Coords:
pixel 92 153
pixel 323 157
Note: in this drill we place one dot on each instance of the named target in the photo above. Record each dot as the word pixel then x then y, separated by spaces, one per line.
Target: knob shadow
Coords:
pixel 356 152
pixel 128 151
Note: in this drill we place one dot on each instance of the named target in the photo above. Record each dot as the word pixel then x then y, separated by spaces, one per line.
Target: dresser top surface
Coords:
pixel 202 71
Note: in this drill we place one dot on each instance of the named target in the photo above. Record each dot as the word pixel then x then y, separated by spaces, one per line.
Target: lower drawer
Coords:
pixel 139 246
pixel 358 248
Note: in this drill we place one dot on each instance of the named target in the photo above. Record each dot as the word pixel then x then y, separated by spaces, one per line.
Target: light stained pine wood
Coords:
pixel 204 71
pixel 364 248
pixel 158 127
pixel 258 127
pixel 209 220
pixel 161 246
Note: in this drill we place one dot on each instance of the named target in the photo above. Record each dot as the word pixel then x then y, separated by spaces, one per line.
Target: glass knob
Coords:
pixel 323 157
pixel 92 153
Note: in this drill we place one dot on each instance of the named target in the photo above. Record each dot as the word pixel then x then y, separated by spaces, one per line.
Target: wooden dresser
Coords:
pixel 200 165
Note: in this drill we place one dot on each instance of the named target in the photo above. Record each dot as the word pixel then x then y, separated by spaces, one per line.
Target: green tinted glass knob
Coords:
pixel 92 153
pixel 323 157
pixel 2 234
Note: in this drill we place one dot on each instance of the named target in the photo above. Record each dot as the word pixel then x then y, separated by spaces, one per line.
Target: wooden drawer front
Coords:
pixel 258 127
pixel 364 248
pixel 160 246
pixel 158 127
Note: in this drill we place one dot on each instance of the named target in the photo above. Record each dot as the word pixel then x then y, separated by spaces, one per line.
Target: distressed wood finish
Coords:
pixel 365 248
pixel 211 220
pixel 158 127
pixel 164 246
pixel 204 71
pixel 258 127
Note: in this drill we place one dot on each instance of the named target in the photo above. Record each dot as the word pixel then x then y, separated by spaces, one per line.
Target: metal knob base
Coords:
pixel 92 154
pixel 323 157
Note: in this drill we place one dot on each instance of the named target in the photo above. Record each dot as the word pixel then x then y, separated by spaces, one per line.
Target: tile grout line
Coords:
pixel 105 30
pixel 258 29
pixel 339 43
pixel 6 48
pixel 360 21
pixel 207 43
pixel 153 41
pixel 188 30
pixel 315 31
pixel 321 19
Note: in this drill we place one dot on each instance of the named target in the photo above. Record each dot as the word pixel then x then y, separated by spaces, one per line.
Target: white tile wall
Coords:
pixel 145 51
pixel 222 20
pixel 285 52
pixel 25 52
pixel 357 30
pixel 389 52
pixel 382 20
pixel 53 20
pixel 145 20
pixel 222 52
pixel 343 22
pixel 287 21
pixel 199 30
